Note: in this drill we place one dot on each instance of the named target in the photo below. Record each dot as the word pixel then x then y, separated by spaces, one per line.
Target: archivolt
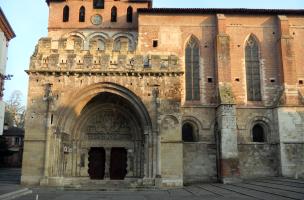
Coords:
pixel 76 103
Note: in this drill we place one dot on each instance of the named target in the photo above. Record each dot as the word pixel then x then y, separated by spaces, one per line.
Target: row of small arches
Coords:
pixel 252 64
pixel 190 132
pixel 82 14
pixel 98 42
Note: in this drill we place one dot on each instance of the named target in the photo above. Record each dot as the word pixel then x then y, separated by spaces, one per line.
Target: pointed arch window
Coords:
pixel 98 4
pixel 82 14
pixel 192 70
pixel 253 70
pixel 114 14
pixel 129 14
pixel 66 14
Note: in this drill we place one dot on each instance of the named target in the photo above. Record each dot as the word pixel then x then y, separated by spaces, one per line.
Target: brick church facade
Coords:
pixel 121 93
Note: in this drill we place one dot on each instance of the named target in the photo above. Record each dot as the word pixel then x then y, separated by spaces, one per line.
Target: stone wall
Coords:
pixel 199 162
pixel 290 123
pixel 3 59
pixel 259 160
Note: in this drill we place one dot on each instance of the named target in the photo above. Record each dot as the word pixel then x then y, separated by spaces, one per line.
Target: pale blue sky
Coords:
pixel 29 21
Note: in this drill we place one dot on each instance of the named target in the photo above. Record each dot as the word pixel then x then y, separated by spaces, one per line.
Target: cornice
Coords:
pixel 6 27
pixel 103 73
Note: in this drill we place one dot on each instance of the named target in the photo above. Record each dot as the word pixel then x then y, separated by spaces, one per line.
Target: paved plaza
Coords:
pixel 265 189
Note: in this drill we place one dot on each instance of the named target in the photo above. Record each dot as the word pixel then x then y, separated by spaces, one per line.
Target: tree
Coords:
pixel 15 111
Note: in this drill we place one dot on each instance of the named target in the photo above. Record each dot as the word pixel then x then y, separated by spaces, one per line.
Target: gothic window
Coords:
pixel 130 14
pixel 192 71
pixel 98 4
pixel 253 70
pixel 82 14
pixel 66 13
pixel 114 14
pixel 258 133
pixel 188 133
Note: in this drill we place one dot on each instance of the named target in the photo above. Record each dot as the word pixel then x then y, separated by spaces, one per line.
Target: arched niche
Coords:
pixel 97 43
pixel 125 36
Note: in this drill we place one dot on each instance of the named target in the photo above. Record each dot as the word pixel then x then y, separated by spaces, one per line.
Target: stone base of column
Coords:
pixel 52 181
pixel 230 171
pixel 148 182
pixel 158 181
pixel 170 182
pixel 44 181
pixel 228 180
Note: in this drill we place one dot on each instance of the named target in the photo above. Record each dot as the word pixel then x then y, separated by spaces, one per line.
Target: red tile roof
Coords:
pixel 6 27
pixel 221 11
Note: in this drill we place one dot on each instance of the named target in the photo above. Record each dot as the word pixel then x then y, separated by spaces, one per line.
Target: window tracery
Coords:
pixel 192 70
pixel 253 70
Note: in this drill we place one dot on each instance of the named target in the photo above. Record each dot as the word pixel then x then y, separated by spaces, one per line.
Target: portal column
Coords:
pixel 130 155
pixel 107 163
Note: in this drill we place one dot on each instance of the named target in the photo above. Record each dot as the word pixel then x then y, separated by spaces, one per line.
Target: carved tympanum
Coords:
pixel 108 122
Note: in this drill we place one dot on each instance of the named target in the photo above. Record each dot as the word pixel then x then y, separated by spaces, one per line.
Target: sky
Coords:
pixel 29 21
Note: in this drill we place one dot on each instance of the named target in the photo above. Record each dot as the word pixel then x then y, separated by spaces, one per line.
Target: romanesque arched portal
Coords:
pixel 103 134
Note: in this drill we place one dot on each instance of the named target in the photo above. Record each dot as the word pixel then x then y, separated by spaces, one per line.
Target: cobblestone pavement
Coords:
pixel 265 189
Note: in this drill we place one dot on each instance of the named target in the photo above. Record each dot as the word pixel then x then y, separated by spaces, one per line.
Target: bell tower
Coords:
pixel 94 14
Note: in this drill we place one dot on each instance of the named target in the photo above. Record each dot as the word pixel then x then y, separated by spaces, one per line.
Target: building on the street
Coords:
pixel 120 90
pixel 6 34
pixel 14 138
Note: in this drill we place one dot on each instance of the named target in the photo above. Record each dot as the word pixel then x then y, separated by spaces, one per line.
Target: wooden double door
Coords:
pixel 117 163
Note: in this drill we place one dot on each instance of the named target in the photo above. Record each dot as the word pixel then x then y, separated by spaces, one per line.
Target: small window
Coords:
pixel 258 133
pixel 98 4
pixel 155 43
pixel 66 14
pixel 17 141
pixel 82 14
pixel 114 14
pixel 130 14
pixel 188 133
